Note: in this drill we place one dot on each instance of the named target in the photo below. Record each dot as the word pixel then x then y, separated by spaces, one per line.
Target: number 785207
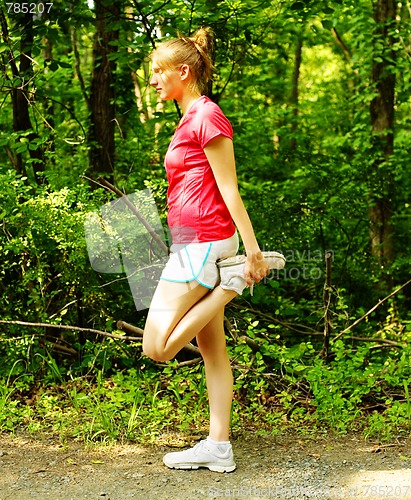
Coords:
pixel 29 8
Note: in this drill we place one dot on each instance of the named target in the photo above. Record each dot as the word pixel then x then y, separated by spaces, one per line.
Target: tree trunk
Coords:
pixel 102 92
pixel 21 96
pixel 382 122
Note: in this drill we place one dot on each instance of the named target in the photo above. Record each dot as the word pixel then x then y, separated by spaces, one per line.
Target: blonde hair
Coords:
pixel 196 51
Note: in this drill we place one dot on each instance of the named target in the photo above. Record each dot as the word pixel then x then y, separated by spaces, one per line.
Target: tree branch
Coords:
pixel 190 362
pixel 120 324
pixel 370 311
pixel 70 328
pixel 341 44
pixel 134 210
pixel 299 330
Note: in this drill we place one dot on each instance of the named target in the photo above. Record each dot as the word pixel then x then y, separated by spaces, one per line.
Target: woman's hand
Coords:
pixel 256 268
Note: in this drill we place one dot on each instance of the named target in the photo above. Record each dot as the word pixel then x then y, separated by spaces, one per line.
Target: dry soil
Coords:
pixel 283 467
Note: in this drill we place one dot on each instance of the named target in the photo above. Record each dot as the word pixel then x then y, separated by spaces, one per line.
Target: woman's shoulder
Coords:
pixel 208 121
pixel 209 106
pixel 207 109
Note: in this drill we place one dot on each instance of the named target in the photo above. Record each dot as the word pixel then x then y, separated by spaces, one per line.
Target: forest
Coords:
pixel 319 96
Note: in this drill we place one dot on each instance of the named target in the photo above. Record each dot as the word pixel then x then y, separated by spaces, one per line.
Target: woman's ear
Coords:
pixel 184 71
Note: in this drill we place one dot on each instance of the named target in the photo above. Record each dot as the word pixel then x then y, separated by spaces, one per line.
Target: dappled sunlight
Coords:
pixel 391 483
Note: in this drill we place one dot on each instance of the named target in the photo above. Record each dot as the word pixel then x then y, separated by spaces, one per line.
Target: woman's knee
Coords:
pixel 149 350
pixel 154 349
pixel 156 354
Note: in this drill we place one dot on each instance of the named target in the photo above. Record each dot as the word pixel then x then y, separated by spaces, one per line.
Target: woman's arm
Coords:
pixel 220 154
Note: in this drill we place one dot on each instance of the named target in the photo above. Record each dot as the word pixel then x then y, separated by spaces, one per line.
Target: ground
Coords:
pixel 286 466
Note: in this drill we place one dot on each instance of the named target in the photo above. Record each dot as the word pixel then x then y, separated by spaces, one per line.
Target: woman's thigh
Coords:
pixel 171 301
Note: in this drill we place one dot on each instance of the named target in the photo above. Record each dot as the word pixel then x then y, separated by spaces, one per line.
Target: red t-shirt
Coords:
pixel 197 211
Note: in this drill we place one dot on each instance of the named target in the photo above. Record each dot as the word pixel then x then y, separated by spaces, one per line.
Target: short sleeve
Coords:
pixel 210 123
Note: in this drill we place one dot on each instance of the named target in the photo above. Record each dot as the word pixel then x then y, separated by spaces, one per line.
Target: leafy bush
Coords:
pixel 45 273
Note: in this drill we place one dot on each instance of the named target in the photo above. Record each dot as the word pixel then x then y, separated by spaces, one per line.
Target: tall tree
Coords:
pixel 21 92
pixel 102 91
pixel 382 123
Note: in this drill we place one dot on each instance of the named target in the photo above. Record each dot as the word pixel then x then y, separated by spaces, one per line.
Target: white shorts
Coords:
pixel 197 261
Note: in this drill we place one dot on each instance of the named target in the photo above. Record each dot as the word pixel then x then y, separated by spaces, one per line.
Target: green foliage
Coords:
pixel 43 253
pixel 279 386
pixel 361 389
pixel 134 405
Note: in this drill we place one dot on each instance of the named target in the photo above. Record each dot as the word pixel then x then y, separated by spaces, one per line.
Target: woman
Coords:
pixel 205 208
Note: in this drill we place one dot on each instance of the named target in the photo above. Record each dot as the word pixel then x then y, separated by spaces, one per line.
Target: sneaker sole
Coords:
pixel 213 468
pixel 276 260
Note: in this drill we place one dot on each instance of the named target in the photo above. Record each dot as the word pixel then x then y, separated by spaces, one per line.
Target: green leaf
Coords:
pixel 299 368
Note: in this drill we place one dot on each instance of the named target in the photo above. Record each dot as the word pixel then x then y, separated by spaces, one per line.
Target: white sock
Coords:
pixel 221 446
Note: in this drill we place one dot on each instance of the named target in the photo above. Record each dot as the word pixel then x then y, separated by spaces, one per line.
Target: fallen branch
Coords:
pixel 190 362
pixel 252 344
pixel 370 311
pixel 70 328
pixel 61 348
pixel 381 341
pixel 299 329
pixel 121 325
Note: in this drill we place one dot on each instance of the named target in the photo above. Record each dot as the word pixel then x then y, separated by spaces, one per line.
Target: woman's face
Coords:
pixel 168 83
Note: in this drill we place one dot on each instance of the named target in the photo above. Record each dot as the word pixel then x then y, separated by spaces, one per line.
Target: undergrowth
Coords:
pixel 363 388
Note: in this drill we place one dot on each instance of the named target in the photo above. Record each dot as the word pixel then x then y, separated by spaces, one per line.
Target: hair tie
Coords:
pixel 196 45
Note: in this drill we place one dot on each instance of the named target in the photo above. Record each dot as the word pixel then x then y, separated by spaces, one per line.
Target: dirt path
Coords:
pixel 282 467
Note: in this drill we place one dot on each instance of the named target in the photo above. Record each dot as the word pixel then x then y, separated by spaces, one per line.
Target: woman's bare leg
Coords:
pixel 178 312
pixel 219 377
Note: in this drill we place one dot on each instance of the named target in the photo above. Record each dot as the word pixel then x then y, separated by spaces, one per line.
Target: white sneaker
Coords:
pixel 232 270
pixel 203 454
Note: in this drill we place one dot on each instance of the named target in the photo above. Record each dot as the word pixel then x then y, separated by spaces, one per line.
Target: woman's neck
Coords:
pixel 187 101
